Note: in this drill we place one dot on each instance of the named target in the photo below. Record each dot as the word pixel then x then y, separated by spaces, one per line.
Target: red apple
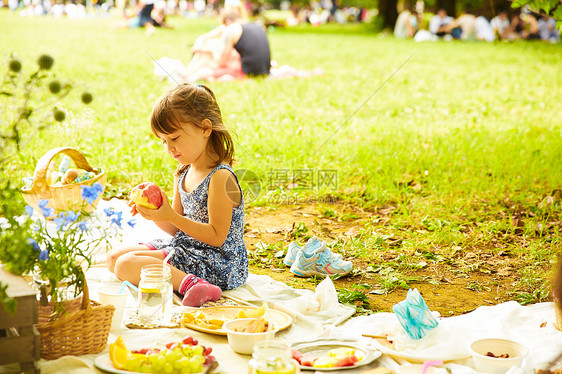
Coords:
pixel 147 195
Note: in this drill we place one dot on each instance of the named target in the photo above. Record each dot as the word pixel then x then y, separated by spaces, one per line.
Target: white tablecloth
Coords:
pixel 318 314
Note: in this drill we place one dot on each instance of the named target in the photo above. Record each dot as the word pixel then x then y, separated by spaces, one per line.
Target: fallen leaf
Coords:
pixel 543 325
pixel 276 230
pixel 504 272
pixel 352 232
pixel 386 210
pixel 470 255
pixel 416 186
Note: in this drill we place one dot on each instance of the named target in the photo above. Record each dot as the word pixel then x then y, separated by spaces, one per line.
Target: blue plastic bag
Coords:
pixel 414 315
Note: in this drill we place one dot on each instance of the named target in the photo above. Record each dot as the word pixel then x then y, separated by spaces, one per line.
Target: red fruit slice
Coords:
pixel 346 361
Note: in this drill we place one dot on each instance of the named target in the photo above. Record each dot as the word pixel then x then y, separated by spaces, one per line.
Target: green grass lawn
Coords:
pixel 464 135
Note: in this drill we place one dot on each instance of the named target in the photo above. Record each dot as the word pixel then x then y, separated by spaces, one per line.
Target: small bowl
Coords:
pixel 243 342
pixel 496 365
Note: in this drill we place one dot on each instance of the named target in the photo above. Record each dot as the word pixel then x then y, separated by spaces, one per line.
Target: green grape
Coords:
pixel 161 359
pixel 182 363
pixel 155 362
pixel 195 364
pixel 168 368
pixel 200 359
pixel 197 350
pixel 133 364
pixel 187 350
pixel 170 356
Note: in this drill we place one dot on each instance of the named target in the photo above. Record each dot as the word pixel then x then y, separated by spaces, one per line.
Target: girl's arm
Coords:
pixel 219 205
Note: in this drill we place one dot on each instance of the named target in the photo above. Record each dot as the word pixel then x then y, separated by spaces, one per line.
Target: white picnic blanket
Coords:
pixel 318 314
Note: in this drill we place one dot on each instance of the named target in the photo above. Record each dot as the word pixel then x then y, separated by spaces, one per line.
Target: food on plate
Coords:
pixel 504 355
pixel 147 195
pixel 256 326
pixel 252 313
pixel 200 319
pixel 337 357
pixel 182 357
pixel 212 322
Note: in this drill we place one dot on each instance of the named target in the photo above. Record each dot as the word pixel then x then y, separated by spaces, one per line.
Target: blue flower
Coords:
pixel 117 218
pixel 98 186
pixel 33 243
pixel 109 212
pixel 71 216
pixel 29 210
pixel 44 255
pixel 91 193
pixel 45 210
pixel 82 226
pixel 60 222
pixel 132 223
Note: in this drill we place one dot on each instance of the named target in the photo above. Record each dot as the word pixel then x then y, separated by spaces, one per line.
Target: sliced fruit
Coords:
pixel 252 313
pixel 343 351
pixel 118 355
pixel 308 360
pixel 120 342
pixel 324 362
pixel 149 290
pixel 346 361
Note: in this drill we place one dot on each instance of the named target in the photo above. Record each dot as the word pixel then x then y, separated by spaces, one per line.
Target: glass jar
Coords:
pixel 155 295
pixel 272 357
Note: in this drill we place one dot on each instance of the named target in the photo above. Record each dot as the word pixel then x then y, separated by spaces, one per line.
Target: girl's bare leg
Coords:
pixel 114 254
pixel 129 264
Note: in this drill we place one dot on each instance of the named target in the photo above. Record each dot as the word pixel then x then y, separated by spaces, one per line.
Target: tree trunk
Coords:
pixel 448 5
pixel 388 13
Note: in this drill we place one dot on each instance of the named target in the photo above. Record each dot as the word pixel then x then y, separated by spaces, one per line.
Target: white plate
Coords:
pixel 414 357
pixel 103 362
pixel 322 346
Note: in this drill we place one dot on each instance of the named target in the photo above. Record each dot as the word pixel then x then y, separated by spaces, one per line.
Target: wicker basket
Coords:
pixel 66 197
pixel 82 329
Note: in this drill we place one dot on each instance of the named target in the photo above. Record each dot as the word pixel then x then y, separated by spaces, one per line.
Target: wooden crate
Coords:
pixel 19 340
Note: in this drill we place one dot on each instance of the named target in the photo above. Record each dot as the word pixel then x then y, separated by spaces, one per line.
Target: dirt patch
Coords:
pixel 452 282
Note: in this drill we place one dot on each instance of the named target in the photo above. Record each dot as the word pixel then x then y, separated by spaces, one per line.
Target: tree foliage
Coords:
pixel 550 7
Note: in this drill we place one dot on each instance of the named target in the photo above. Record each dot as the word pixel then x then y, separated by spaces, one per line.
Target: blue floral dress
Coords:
pixel 225 266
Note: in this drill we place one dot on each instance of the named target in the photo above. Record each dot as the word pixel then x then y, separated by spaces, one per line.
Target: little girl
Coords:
pixel 206 217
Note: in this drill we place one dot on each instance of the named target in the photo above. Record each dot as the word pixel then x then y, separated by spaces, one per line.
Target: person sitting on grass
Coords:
pixel 249 40
pixel 501 25
pixel 438 23
pixel 148 14
pixel 233 50
pixel 407 24
pixel 206 216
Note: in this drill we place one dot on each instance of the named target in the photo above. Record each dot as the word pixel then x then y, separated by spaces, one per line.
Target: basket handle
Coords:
pixel 85 294
pixel 40 186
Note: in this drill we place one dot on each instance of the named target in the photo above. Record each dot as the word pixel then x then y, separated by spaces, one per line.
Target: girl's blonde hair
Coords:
pixel 193 103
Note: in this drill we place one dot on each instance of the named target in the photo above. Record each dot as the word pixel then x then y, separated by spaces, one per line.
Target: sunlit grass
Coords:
pixel 454 134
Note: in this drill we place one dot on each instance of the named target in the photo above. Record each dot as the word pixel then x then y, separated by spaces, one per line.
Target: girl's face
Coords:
pixel 187 145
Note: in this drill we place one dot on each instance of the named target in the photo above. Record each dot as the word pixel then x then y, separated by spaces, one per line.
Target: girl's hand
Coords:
pixel 164 213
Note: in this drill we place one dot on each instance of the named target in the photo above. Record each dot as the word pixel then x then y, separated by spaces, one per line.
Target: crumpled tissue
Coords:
pixel 414 315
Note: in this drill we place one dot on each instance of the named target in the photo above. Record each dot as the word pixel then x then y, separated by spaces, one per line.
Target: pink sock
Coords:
pixel 197 291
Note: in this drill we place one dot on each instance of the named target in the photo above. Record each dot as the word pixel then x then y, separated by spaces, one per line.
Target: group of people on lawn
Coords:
pixel 523 24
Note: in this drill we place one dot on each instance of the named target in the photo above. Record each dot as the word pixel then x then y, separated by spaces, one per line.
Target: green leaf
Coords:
pixel 557 15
